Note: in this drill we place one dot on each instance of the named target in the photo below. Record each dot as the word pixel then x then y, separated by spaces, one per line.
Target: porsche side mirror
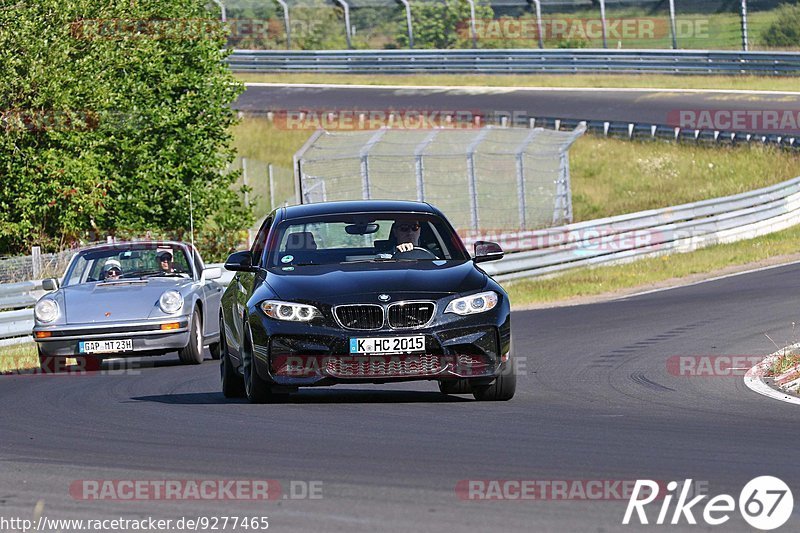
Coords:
pixel 240 262
pixel 50 284
pixel 487 251
pixel 212 273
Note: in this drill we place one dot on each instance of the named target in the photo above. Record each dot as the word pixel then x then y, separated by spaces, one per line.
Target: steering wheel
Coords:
pixel 417 253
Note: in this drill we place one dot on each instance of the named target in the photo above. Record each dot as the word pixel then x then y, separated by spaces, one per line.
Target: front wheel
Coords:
pixel 502 389
pixel 232 382
pixel 192 353
pixel 256 389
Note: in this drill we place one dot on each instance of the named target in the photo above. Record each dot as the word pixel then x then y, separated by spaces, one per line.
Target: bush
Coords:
pixel 113 113
pixel 784 32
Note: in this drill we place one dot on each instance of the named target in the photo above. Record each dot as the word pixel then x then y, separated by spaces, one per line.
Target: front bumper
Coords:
pixel 147 336
pixel 295 355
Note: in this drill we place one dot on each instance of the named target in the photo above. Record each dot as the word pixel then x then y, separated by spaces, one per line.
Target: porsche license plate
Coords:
pixel 106 346
pixel 376 345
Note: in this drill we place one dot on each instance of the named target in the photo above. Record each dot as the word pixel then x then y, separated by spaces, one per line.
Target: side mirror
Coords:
pixel 240 262
pixel 212 273
pixel 487 251
pixel 50 284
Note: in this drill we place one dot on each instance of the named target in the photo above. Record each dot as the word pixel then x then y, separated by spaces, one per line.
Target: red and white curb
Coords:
pixel 756 381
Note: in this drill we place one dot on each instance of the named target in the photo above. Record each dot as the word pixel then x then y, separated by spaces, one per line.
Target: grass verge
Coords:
pixel 611 81
pixel 649 273
pixel 18 357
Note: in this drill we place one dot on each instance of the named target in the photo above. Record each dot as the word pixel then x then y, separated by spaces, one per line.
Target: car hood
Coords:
pixel 118 300
pixel 348 282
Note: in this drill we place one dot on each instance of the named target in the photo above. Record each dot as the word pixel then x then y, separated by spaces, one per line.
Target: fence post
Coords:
pixel 244 182
pixel 286 24
pixel 472 28
pixel 366 188
pixel 672 28
pixel 603 22
pixel 745 46
pixel 224 15
pixel 520 152
pixel 297 167
pixel 271 188
pixel 471 178
pixel 346 8
pixel 407 6
pixel 419 167
pixel 36 260
pixel 538 5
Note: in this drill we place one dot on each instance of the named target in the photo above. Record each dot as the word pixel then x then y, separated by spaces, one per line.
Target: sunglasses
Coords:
pixel 113 272
pixel 408 227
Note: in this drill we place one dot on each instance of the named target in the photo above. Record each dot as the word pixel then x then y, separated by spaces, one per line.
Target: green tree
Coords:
pixel 112 114
pixel 784 31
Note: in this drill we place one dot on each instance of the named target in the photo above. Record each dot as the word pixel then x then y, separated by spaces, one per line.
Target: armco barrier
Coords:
pixel 648 233
pixel 517 61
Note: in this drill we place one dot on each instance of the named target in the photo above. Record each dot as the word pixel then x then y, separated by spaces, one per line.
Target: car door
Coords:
pixel 242 287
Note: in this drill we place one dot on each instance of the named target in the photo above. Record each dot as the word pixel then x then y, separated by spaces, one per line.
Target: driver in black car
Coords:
pixel 405 235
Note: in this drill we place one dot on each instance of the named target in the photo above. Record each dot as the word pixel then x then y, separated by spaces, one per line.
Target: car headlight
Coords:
pixel 46 310
pixel 476 303
pixel 289 311
pixel 171 302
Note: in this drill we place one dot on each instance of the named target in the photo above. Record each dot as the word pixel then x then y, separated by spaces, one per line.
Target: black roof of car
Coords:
pixel 357 206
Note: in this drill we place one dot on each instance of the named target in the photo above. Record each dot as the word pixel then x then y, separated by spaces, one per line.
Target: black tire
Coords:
pixel 214 350
pixel 192 354
pixel 503 387
pixel 232 382
pixel 256 389
pixel 455 386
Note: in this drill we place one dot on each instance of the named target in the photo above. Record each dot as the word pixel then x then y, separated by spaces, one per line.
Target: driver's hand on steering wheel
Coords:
pixel 405 247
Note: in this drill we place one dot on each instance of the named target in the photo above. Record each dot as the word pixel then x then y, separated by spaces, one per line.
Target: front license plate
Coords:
pixel 107 346
pixel 374 345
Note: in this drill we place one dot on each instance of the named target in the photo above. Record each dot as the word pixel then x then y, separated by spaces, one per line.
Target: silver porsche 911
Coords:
pixel 130 299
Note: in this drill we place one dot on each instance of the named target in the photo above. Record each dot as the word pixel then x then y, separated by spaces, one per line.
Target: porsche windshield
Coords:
pixel 373 237
pixel 125 263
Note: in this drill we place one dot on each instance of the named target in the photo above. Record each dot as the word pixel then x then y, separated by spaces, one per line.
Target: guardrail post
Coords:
pixel 603 22
pixel 407 6
pixel 745 46
pixel 271 188
pixel 346 8
pixel 672 28
pixel 419 164
pixel 286 24
pixel 244 181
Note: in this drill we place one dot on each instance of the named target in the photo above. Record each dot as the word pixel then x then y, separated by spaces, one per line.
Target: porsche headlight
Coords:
pixel 289 311
pixel 46 310
pixel 475 303
pixel 171 302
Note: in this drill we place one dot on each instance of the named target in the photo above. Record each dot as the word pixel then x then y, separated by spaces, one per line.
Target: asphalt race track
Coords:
pixel 595 402
pixel 637 106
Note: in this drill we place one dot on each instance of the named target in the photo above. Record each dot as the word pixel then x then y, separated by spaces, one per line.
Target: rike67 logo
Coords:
pixel 765 503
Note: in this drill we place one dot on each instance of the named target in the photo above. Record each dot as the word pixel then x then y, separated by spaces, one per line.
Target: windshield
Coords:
pixel 128 262
pixel 364 237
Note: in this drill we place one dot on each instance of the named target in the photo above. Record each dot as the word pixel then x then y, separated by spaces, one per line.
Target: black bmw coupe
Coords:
pixel 363 292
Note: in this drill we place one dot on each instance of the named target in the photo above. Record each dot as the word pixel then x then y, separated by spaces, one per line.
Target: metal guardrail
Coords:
pixel 517 61
pixel 648 233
